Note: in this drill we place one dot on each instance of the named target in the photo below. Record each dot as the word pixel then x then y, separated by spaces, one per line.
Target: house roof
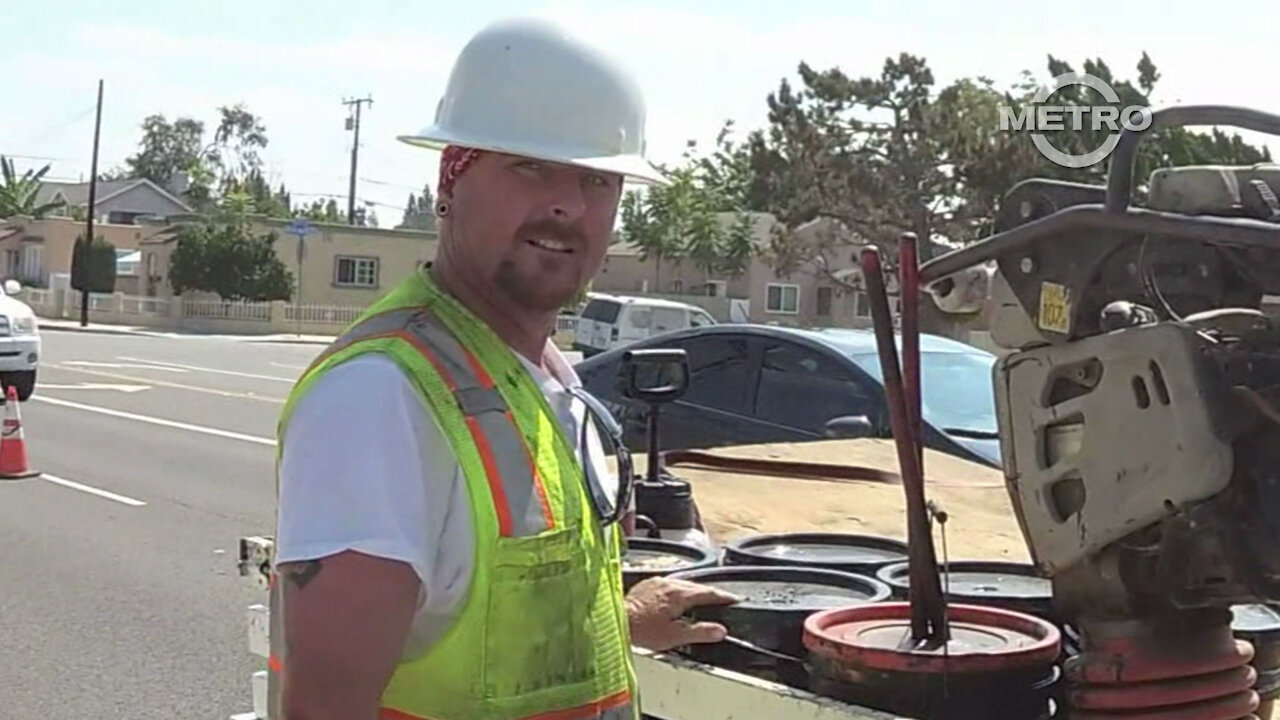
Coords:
pixel 77 194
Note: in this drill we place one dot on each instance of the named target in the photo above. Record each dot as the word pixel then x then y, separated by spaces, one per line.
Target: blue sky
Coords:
pixel 699 63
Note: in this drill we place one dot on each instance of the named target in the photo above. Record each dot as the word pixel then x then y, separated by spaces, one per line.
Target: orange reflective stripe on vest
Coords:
pixel 614 707
pixel 522 507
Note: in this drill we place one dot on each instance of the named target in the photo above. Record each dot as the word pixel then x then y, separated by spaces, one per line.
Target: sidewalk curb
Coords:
pixel 90 330
pixel 143 332
pixel 277 341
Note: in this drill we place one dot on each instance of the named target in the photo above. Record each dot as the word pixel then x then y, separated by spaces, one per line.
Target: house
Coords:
pixel 341 265
pixel 116 202
pixel 811 296
pixel 36 252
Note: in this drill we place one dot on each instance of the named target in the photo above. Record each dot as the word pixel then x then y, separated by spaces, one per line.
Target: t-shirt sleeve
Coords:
pixel 352 473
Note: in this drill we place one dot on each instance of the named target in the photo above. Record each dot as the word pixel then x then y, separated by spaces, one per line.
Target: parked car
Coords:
pixel 611 321
pixel 19 342
pixel 761 384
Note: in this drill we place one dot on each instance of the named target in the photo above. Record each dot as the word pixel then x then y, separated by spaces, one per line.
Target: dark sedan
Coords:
pixel 759 384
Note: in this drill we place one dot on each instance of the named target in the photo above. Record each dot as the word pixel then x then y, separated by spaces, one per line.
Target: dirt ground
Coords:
pixel 980 526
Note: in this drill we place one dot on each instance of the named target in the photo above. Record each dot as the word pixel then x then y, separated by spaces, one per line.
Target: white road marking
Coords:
pixel 196 368
pixel 93 490
pixel 92 363
pixel 180 386
pixel 156 421
pixel 289 367
pixel 94 386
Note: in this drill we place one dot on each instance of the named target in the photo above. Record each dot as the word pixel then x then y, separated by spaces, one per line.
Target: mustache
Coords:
pixel 552 230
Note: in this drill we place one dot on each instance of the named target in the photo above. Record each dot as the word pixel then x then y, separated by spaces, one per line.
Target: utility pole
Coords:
pixel 355 152
pixel 93 197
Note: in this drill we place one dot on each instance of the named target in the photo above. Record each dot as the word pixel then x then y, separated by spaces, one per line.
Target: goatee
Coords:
pixel 529 292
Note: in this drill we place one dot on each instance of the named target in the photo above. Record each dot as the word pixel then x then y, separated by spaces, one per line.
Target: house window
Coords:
pixel 784 299
pixel 356 271
pixel 32 267
pixel 677 286
pixel 127 261
pixel 824 300
pixel 716 288
pixel 862 305
pixel 12 260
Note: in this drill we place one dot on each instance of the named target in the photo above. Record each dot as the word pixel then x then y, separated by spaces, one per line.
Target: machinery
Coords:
pixel 1139 413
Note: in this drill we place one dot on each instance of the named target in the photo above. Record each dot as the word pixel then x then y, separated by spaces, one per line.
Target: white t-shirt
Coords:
pixel 366 467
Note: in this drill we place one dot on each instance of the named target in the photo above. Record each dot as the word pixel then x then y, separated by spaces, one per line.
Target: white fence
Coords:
pixel 195 314
pixel 134 305
pixel 325 314
pixel 226 310
pixel 566 324
pixel 37 297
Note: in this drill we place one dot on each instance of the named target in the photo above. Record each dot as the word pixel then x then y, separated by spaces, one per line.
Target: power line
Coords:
pixel 50 130
pixel 390 184
pixel 36 157
pixel 335 196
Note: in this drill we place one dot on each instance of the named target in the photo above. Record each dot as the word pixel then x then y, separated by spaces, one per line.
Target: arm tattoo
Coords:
pixel 303 572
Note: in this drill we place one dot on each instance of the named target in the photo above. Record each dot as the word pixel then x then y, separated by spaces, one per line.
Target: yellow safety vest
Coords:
pixel 543 633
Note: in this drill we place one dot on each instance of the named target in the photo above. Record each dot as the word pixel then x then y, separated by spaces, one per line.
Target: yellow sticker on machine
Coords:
pixel 1055 308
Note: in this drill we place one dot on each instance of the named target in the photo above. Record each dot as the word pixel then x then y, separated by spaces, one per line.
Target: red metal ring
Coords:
pixel 822 637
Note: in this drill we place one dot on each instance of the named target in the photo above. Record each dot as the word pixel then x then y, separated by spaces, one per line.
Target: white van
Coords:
pixel 610 321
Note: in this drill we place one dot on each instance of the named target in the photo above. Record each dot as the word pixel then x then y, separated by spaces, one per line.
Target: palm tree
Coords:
pixel 18 194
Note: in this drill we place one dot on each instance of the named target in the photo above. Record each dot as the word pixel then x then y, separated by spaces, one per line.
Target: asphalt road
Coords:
pixel 119 596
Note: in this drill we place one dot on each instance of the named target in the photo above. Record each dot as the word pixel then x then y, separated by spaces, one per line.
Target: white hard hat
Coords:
pixel 525 87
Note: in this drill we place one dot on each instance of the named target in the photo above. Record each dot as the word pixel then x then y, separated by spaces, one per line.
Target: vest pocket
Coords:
pixel 539 633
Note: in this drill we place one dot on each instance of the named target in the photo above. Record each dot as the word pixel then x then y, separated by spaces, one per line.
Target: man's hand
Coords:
pixel 656 607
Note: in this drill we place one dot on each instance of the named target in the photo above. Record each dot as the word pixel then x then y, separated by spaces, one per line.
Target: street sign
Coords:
pixel 300 227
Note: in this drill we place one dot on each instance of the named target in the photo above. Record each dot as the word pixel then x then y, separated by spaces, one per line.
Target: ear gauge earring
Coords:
pixel 442 208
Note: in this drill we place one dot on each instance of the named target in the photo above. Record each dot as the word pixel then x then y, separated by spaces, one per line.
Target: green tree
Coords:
pixel 698 216
pixel 93 265
pixel 739 246
pixel 327 210
pixel 891 153
pixel 1160 148
pixel 419 211
pixel 224 164
pixel 223 255
pixel 18 193
pixel 263 200
pixel 645 227
pixel 166 148
pixel 237 141
pixel 864 151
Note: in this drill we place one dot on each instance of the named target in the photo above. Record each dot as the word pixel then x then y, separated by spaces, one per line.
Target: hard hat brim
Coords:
pixel 632 168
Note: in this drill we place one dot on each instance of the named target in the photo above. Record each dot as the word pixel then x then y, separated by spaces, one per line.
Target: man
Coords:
pixel 448 544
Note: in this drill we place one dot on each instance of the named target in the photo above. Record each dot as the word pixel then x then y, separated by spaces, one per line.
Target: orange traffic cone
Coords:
pixel 13 448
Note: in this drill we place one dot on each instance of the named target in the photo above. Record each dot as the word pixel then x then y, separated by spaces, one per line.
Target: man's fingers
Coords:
pixel 704 632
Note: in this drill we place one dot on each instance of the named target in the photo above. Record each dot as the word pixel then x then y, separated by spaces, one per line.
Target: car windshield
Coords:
pixel 605 311
pixel 956 389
